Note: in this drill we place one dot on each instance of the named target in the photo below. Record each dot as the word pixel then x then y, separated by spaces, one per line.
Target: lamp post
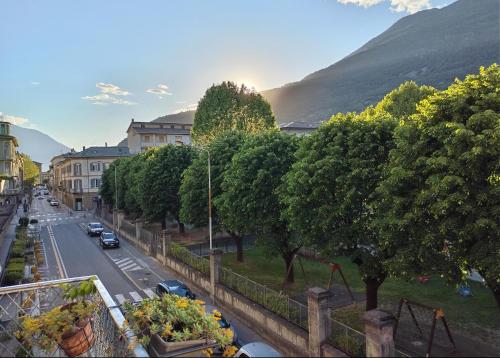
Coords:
pixel 116 204
pixel 209 198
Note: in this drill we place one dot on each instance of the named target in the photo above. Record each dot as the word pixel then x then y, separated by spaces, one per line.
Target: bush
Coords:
pixel 16 252
pixel 16 260
pixel 16 266
pixel 24 221
pixel 12 277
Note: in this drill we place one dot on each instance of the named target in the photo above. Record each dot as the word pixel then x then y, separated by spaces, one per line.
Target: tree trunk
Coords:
pixel 182 229
pixel 290 277
pixel 238 241
pixel 164 224
pixel 372 285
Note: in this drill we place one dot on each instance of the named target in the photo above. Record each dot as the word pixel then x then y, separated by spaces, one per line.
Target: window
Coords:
pixel 104 166
pixel 172 126
pixel 77 169
pixel 95 183
pixel 146 138
pixel 78 184
pixel 178 139
pixel 162 139
pixel 95 166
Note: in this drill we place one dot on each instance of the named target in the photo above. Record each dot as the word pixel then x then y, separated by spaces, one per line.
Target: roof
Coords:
pixel 96 152
pixel 161 130
pixel 300 125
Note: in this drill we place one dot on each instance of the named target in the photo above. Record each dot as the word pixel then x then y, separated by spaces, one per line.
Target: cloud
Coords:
pixel 191 107
pixel 410 6
pixel 161 90
pixel 34 83
pixel 104 98
pixel 18 121
pixel 109 93
pixel 111 89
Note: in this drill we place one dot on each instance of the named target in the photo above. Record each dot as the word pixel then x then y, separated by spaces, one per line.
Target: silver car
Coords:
pixel 257 349
pixel 94 229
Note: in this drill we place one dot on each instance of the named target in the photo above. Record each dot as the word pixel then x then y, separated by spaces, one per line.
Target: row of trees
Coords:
pixel 408 186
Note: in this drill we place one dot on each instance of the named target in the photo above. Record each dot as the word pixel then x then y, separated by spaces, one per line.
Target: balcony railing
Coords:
pixel 112 338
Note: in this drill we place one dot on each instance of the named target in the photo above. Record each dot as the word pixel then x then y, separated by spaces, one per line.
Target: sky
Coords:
pixel 79 70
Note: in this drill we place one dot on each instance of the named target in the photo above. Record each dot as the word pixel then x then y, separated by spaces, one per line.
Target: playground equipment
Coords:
pixel 421 315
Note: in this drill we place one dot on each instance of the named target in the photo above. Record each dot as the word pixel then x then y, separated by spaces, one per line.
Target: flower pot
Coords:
pixel 79 339
pixel 159 347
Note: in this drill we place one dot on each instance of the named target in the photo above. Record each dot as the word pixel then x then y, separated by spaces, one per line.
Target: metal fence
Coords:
pixel 226 244
pixel 293 311
pixel 347 339
pixel 108 323
pixel 182 254
pixel 127 227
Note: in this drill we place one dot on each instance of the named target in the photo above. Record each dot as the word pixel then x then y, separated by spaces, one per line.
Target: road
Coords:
pixel 127 273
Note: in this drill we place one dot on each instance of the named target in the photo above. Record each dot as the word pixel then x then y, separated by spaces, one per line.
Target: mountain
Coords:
pixel 39 146
pixel 430 47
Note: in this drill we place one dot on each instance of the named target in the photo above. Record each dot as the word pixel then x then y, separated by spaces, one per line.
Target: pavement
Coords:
pixel 127 273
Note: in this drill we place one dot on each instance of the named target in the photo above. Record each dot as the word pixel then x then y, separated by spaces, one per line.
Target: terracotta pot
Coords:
pixel 79 339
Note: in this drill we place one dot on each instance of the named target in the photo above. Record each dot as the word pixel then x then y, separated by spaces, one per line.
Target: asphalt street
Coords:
pixel 127 273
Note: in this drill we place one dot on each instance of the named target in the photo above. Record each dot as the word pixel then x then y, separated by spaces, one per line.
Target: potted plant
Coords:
pixel 69 326
pixel 171 323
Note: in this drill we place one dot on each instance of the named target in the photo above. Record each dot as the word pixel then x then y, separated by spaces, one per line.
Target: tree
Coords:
pixel 329 194
pixel 135 179
pixel 249 201
pixel 441 194
pixel 229 107
pixel 194 187
pixel 31 172
pixel 159 189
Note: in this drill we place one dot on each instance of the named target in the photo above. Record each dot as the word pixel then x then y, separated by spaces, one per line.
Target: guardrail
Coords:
pixel 347 339
pixel 182 254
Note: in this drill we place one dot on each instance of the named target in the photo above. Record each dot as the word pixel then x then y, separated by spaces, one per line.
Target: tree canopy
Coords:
pixel 229 107
pixel 441 193
pixel 31 172
pixel 249 200
pixel 159 190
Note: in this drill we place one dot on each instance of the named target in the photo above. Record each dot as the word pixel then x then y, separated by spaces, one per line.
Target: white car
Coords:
pixel 257 349
pixel 52 202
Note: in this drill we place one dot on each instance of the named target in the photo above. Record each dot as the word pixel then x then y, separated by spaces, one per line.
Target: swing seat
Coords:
pixel 464 291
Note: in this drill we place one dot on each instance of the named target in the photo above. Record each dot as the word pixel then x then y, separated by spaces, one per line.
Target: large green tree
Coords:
pixel 159 189
pixel 441 194
pixel 227 106
pixel 194 187
pixel 330 192
pixel 31 172
pixel 249 200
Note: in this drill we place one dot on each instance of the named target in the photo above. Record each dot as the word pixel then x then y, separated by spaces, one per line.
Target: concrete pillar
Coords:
pixel 138 226
pixel 120 215
pixel 319 319
pixel 165 239
pixel 115 219
pixel 379 327
pixel 215 264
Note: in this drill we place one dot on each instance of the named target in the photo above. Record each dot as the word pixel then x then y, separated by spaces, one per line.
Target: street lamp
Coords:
pixel 116 204
pixel 209 198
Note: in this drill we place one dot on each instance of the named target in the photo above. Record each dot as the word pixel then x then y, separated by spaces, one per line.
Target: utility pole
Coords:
pixel 209 201
pixel 116 204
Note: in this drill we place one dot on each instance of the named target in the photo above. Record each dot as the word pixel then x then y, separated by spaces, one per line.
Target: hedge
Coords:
pixel 15 266
pixel 12 277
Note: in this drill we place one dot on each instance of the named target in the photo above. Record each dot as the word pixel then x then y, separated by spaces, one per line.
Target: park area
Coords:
pixel 474 316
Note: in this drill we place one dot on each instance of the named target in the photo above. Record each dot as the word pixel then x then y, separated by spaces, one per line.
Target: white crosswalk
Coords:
pixel 127 264
pixel 135 296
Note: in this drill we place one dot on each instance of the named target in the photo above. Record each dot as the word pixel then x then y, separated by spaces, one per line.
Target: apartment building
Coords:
pixel 299 128
pixel 77 175
pixel 11 166
pixel 144 135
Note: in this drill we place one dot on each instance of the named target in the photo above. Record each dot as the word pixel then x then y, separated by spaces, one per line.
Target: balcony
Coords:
pixel 33 299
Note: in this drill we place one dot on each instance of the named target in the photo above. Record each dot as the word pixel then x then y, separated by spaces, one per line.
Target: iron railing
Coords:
pixel 108 322
pixel 182 254
pixel 277 302
pixel 347 339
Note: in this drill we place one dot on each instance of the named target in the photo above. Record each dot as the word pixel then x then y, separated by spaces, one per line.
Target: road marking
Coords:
pixel 120 298
pixel 149 292
pixel 119 261
pixel 57 254
pixel 135 296
pixel 136 268
pixel 129 266
pixel 127 262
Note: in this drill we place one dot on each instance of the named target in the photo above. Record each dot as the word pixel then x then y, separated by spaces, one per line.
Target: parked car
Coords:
pixel 46 193
pixel 209 309
pixel 257 349
pixel 109 239
pixel 94 229
pixel 52 202
pixel 40 198
pixel 174 287
pixel 49 199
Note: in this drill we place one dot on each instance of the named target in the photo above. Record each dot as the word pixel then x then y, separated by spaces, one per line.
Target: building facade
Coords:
pixel 11 166
pixel 77 175
pixel 144 135
pixel 299 128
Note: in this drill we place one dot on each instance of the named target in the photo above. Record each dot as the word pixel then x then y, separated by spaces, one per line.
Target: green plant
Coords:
pixel 24 221
pixel 48 329
pixel 12 277
pixel 175 319
pixel 16 266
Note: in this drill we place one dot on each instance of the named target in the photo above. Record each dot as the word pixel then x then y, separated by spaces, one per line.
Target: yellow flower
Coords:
pixel 217 313
pixel 230 351
pixel 199 302
pixel 167 330
pixel 228 333
pixel 138 314
pixel 182 303
pixel 208 352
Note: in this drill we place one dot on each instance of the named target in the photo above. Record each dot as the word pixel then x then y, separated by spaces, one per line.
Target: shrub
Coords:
pixel 16 252
pixel 16 266
pixel 12 277
pixel 16 260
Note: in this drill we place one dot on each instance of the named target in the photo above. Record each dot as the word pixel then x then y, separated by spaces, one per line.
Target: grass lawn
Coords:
pixel 469 313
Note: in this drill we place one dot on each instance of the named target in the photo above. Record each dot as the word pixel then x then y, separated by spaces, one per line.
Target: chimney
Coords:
pixel 132 120
pixel 83 147
pixel 106 144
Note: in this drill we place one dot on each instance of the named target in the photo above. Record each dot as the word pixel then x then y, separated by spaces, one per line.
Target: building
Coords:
pixel 77 175
pixel 299 128
pixel 11 166
pixel 144 135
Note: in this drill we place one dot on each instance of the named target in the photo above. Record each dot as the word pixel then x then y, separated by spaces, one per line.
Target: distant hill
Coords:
pixel 39 146
pixel 431 47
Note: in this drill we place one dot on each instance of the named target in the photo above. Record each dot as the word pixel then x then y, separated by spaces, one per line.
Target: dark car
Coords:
pixel 109 239
pixel 94 229
pixel 174 287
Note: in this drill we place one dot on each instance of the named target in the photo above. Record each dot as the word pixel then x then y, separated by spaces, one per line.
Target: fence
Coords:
pixel 17 302
pixel 128 227
pixel 293 311
pixel 182 254
pixel 226 244
pixel 347 339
